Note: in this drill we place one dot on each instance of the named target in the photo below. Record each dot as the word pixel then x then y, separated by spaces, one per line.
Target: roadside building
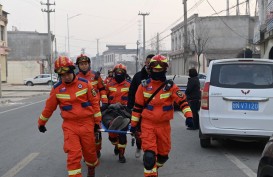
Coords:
pixel 209 38
pixel 4 50
pixel 119 54
pixel 28 55
pixel 264 29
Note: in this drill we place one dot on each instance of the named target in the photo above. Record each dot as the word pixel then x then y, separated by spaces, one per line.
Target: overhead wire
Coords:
pixel 226 23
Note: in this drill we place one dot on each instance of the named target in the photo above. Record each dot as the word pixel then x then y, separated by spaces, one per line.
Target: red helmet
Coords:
pixel 82 58
pixel 63 64
pixel 119 68
pixel 159 62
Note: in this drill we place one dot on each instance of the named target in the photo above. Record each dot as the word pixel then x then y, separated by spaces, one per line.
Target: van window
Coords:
pixel 242 75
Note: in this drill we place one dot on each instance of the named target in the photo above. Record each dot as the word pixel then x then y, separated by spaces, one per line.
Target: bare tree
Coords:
pixel 200 37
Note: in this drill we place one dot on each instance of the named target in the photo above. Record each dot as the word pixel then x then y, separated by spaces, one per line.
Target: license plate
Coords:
pixel 250 106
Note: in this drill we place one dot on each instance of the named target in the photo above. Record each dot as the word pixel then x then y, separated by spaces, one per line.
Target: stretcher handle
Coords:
pixel 115 131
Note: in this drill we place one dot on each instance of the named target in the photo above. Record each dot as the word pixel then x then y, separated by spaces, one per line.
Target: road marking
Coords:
pixel 21 107
pixel 240 165
pixel 181 114
pixel 235 160
pixel 13 171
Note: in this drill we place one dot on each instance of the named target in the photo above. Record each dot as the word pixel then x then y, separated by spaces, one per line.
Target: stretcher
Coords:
pixel 104 129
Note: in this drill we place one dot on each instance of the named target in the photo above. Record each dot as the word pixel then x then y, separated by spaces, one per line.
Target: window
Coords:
pixel 242 75
pixel 2 28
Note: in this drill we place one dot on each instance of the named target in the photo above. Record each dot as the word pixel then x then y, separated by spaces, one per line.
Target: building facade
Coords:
pixel 28 55
pixel 116 54
pixel 264 29
pixel 4 50
pixel 209 38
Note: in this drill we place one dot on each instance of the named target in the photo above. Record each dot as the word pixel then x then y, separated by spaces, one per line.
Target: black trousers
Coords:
pixel 195 107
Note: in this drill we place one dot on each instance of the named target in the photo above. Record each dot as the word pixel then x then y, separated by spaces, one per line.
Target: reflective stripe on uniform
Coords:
pixel 43 118
pixel 121 145
pixel 186 110
pixel 125 90
pixel 113 89
pixel 134 118
pixel 103 96
pixel 92 164
pixel 63 96
pixel 154 170
pixel 98 114
pixel 159 164
pixel 165 95
pixel 82 92
pixel 74 172
pixel 147 95
pixel 94 82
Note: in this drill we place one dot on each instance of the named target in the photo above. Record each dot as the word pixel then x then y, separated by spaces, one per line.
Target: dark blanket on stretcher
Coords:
pixel 113 111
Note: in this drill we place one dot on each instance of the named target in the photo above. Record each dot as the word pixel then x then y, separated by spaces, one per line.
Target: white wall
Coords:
pixel 20 70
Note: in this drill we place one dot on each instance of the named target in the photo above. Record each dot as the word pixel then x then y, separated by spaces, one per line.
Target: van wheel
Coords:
pixel 205 143
pixel 204 140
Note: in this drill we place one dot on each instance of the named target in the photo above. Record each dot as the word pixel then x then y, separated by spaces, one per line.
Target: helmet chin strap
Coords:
pixel 84 72
pixel 74 76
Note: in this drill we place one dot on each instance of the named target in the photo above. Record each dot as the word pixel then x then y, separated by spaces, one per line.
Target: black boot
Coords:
pixel 116 151
pixel 98 154
pixel 91 172
pixel 121 157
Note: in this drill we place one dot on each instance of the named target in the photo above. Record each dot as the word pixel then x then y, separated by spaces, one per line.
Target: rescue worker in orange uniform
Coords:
pixel 109 77
pixel 117 92
pixel 156 115
pixel 80 111
pixel 84 64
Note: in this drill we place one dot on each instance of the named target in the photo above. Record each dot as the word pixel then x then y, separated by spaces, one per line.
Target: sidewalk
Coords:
pixel 13 93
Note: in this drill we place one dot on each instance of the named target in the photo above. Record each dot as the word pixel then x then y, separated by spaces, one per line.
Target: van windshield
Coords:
pixel 242 75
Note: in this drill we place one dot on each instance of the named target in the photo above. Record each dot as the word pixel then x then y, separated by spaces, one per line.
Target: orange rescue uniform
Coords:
pixel 80 111
pixel 118 93
pixel 99 87
pixel 97 83
pixel 155 119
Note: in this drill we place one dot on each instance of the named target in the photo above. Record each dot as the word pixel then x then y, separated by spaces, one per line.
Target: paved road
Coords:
pixel 25 152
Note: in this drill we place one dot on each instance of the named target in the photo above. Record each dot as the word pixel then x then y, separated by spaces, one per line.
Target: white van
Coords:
pixel 237 100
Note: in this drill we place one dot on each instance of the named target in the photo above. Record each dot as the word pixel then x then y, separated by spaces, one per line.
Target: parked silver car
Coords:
pixel 41 79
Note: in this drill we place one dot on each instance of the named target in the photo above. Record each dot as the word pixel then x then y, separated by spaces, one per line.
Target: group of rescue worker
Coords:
pixel 82 97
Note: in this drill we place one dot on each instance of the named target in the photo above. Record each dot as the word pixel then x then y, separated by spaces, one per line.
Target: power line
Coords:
pixel 226 23
pixel 174 23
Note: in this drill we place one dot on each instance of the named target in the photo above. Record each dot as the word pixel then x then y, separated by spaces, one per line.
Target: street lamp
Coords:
pixel 68 44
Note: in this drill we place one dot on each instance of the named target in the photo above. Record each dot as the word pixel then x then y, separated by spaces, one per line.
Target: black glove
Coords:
pixel 103 107
pixel 133 130
pixel 96 128
pixel 97 75
pixel 42 128
pixel 189 122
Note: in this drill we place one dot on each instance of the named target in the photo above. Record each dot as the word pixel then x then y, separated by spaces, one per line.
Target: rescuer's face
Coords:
pixel 67 77
pixel 84 66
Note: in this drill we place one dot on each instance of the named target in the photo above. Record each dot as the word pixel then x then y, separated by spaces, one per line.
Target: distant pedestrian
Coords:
pixel 193 94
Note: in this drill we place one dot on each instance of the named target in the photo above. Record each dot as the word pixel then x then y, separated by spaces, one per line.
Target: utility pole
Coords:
pixel 68 37
pixel 247 8
pixel 237 8
pixel 137 43
pixel 98 47
pixel 185 35
pixel 227 7
pixel 48 11
pixel 143 14
pixel 157 43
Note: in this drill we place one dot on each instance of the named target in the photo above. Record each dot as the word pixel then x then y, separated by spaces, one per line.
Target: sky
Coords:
pixel 110 22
